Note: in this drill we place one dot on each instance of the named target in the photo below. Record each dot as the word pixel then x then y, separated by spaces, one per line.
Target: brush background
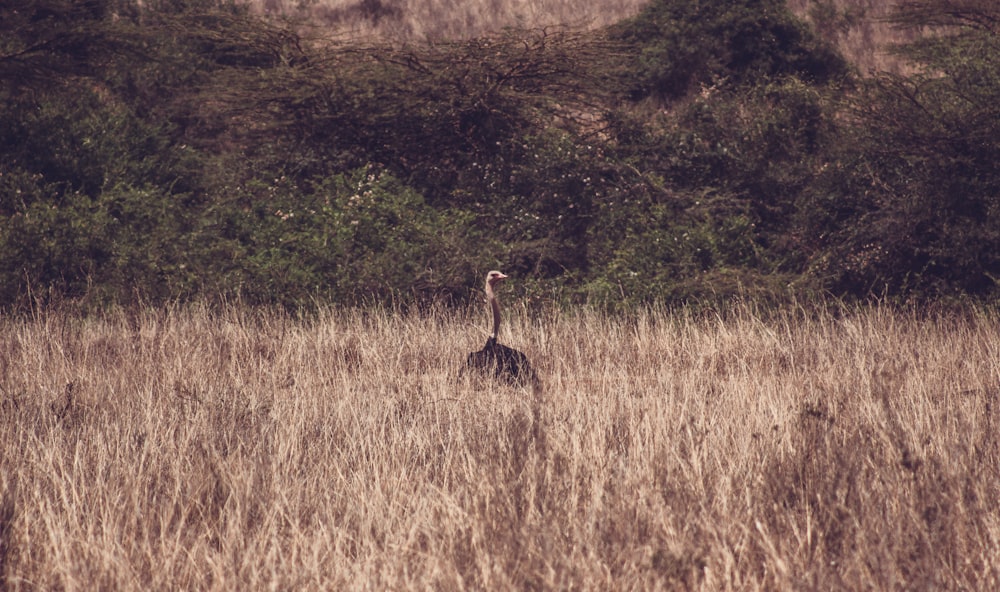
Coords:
pixel 296 154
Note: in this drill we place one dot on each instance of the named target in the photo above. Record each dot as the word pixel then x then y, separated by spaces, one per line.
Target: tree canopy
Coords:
pixel 194 149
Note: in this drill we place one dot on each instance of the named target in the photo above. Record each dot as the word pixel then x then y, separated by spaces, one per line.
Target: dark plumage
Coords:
pixel 495 359
pixel 500 361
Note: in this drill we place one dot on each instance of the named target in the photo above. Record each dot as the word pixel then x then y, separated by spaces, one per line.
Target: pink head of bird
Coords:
pixel 495 276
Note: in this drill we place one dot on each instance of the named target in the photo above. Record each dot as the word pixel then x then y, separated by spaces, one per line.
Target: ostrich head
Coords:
pixel 494 277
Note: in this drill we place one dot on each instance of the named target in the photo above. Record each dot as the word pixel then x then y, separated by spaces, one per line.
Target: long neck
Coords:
pixel 495 307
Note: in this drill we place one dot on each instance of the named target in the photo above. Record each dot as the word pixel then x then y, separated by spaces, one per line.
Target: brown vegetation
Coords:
pixel 450 19
pixel 858 28
pixel 190 449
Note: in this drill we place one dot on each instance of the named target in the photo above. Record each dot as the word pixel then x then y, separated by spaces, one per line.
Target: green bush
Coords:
pixel 125 243
pixel 358 237
pixel 911 206
pixel 176 150
pixel 681 46
pixel 725 173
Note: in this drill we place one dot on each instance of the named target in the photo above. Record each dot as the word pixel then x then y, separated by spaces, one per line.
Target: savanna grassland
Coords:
pixel 859 28
pixel 186 448
pixel 448 19
pixel 304 158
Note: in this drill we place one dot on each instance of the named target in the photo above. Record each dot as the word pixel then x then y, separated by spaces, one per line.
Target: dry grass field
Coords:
pixel 186 449
pixel 857 27
pixel 450 19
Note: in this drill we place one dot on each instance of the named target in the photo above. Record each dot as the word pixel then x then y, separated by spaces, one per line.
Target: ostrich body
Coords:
pixel 495 359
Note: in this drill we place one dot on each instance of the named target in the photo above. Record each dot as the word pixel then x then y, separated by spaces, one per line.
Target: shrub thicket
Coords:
pixel 680 45
pixel 189 149
pixel 911 201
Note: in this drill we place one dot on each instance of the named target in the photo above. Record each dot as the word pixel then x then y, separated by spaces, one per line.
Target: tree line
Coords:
pixel 185 149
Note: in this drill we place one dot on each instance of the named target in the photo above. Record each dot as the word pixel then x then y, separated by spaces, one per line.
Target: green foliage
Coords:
pixel 174 150
pixel 354 237
pixel 120 245
pixel 537 198
pixel 85 144
pixel 725 174
pixel 45 40
pixel 683 45
pixel 429 114
pixel 913 203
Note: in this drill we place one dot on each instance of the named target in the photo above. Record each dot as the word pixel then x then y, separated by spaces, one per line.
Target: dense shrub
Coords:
pixel 358 236
pixel 911 205
pixel 176 150
pixel 719 200
pixel 683 45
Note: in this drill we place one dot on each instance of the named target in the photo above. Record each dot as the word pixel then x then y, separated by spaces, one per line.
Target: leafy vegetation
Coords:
pixel 916 178
pixel 175 150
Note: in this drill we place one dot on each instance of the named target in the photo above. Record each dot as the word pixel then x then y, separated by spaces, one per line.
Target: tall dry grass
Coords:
pixel 859 28
pixel 449 19
pixel 241 450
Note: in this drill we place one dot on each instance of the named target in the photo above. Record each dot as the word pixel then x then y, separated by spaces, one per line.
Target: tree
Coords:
pixel 917 193
pixel 683 45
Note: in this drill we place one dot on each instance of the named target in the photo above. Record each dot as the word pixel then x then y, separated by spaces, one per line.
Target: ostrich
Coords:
pixel 499 360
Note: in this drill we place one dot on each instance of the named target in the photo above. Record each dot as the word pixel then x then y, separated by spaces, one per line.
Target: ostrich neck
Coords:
pixel 495 308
